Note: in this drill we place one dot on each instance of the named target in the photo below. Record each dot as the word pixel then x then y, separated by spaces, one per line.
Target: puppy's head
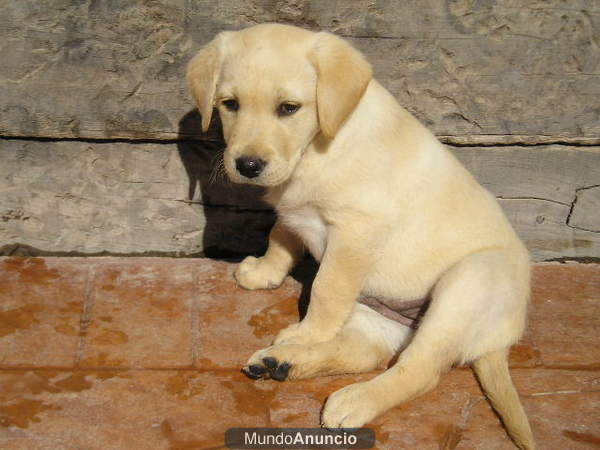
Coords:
pixel 276 87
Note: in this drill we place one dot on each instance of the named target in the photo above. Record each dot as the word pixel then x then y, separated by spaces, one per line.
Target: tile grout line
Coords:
pixel 86 314
pixel 195 317
pixel 268 406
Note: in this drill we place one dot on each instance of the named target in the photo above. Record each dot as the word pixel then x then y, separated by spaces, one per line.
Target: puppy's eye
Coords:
pixel 287 109
pixel 231 104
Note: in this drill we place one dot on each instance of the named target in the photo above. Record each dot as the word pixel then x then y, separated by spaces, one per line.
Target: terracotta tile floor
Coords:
pixel 128 353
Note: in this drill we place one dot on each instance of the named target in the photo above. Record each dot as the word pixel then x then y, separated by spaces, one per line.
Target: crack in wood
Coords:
pixel 572 209
pixel 532 198
pixel 476 140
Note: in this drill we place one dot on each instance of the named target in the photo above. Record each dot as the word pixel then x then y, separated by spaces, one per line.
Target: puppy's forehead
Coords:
pixel 266 63
pixel 268 57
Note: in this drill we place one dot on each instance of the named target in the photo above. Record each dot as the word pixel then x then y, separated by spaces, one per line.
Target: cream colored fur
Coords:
pixel 385 208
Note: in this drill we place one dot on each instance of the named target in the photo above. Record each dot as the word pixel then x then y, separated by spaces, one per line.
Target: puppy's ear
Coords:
pixel 343 74
pixel 202 76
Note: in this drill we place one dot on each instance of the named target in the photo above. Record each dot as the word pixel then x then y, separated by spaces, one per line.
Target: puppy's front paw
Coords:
pixel 350 407
pixel 255 273
pixel 296 333
pixel 303 333
pixel 287 362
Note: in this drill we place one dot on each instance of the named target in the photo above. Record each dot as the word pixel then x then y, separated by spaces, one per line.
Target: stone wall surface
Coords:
pixel 100 150
pixel 124 198
pixel 133 198
pixel 549 194
pixel 503 70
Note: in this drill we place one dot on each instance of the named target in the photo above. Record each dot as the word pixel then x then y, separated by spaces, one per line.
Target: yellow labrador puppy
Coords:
pixel 385 208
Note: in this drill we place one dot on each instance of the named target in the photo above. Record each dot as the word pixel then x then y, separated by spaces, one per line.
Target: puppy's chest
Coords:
pixel 309 225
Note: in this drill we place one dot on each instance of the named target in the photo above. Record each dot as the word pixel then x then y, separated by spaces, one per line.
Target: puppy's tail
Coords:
pixel 492 371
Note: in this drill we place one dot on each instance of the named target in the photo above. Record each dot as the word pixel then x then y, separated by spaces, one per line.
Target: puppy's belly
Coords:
pixel 308 224
pixel 396 281
pixel 397 293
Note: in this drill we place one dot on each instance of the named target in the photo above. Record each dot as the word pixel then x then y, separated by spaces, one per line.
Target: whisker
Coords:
pixel 218 171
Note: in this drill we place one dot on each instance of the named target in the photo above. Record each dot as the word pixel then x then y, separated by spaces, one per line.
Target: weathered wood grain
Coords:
pixel 123 198
pixel 471 71
pixel 542 190
pixel 128 198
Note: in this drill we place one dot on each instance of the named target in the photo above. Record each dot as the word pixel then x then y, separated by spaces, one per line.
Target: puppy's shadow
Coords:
pixel 237 220
pixel 304 273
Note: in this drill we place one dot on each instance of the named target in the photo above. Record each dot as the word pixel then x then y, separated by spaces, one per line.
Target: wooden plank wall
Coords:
pixel 100 149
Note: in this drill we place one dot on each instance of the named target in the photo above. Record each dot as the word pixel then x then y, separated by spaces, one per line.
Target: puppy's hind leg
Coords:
pixel 367 341
pixel 478 307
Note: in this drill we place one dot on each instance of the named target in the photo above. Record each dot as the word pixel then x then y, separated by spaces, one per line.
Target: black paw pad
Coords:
pixel 254 371
pixel 270 362
pixel 281 373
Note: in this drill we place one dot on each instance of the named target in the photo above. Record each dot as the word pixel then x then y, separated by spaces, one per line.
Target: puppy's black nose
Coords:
pixel 250 167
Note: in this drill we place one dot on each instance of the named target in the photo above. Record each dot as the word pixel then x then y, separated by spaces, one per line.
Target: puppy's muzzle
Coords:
pixel 250 167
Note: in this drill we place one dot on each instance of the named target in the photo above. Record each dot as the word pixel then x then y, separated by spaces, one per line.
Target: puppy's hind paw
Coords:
pixel 350 407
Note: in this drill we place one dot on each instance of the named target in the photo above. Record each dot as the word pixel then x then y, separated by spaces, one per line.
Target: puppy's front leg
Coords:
pixel 345 264
pixel 269 271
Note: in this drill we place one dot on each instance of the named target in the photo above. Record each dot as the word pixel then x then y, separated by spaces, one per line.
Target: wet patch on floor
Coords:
pixel 273 318
pixel 20 318
pixel 22 413
pixel 31 271
pixel 185 385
